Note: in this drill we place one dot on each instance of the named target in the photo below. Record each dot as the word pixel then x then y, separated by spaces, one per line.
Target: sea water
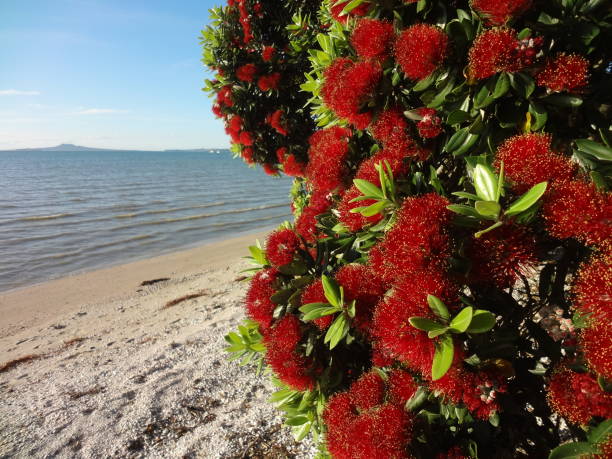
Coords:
pixel 67 212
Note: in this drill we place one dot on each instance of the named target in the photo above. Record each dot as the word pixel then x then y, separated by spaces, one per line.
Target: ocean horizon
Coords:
pixel 64 212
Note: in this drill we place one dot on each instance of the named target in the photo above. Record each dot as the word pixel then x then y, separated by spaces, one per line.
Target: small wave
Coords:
pixel 120 242
pixel 235 211
pixel 170 210
pixel 233 224
pixel 44 217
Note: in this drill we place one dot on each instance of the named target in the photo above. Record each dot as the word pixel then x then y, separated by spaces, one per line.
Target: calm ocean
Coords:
pixel 65 212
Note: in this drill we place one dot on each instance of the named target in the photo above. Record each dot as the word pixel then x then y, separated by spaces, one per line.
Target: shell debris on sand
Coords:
pixel 133 379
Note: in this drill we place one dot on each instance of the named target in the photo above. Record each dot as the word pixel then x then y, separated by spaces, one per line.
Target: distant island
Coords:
pixel 72 147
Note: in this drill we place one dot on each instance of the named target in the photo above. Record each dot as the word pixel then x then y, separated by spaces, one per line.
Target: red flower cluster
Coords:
pixel 394 334
pixel 275 119
pixel 354 221
pixel 293 167
pixel 430 126
pixel 498 12
pixel 529 160
pixel 291 367
pixel 327 170
pixel 565 72
pixel 268 82
pixel 417 241
pixel 258 304
pixel 499 50
pixel 305 224
pixel 421 49
pixel 246 72
pixel 363 286
pixel 592 288
pixel 244 21
pixel 281 247
pixel 477 391
pixel 361 425
pixel 596 344
pixel 347 87
pixel 247 154
pixel 577 209
pixel 314 293
pixel 246 138
pixel 372 38
pixel 499 256
pixel 267 53
pixel 337 8
pixel 577 396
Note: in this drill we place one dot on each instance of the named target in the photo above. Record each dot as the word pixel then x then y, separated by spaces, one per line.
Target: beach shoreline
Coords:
pixel 100 365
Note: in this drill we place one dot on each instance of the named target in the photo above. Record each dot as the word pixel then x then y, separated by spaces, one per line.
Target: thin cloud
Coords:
pixel 17 92
pixel 100 111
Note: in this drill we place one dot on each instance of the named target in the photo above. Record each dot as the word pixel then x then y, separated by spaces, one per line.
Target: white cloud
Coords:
pixel 17 92
pixel 100 111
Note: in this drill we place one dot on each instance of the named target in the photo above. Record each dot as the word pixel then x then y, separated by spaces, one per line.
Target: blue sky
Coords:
pixel 104 73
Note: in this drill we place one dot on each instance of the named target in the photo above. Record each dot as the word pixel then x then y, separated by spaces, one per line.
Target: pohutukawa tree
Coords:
pixel 446 287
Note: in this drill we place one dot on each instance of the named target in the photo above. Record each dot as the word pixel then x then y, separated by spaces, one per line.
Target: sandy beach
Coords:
pixel 107 367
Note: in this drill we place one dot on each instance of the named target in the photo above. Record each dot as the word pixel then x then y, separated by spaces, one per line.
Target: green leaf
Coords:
pixel 523 84
pixel 463 194
pixel 502 86
pixel 494 419
pixel 527 200
pixel 482 321
pixel 296 420
pixel 368 188
pixel 258 255
pixel 351 310
pixel 499 191
pixel 600 433
pixel 422 85
pixel 443 357
pixel 417 399
pixel 457 116
pixel 456 140
pixel 438 307
pixel 488 209
pixel 563 100
pixel 337 331
pixel 319 312
pixel 424 324
pixel 486 230
pixel 374 209
pixel 539 115
pixel 461 321
pixel 485 182
pixel 300 433
pixel 434 333
pixel 575 450
pixel 595 149
pixel 331 290
pixel 462 209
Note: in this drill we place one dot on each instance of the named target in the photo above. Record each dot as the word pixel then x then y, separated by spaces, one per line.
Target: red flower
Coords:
pixel 401 387
pixel 314 293
pixel 498 50
pixel 361 426
pixel 361 284
pixel 267 82
pixel 380 359
pixel 270 169
pixel 224 96
pixel 596 343
pixel 477 391
pixel 282 355
pixel 499 256
pixel 258 304
pixel 454 453
pixel 293 167
pixel 247 155
pixel 430 125
pixel 577 209
pixel 372 38
pixel 235 124
pixel 394 334
pixel 417 241
pixel 216 109
pixel 528 160
pixel 305 224
pixel 267 53
pixel 246 138
pixel 398 160
pixel 347 87
pixel 337 8
pixel 368 391
pixel 390 126
pixel 281 153
pixel 592 288
pixel 421 49
pixel 281 247
pixel 498 12
pixel 355 221
pixel 275 120
pixel 327 170
pixel 577 396
pixel 246 72
pixel 564 72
